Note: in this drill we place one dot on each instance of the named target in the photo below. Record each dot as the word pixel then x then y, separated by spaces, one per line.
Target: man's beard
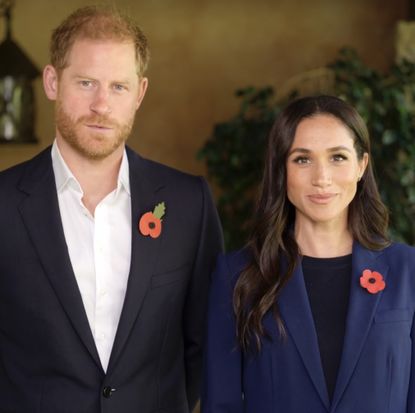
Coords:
pixel 91 145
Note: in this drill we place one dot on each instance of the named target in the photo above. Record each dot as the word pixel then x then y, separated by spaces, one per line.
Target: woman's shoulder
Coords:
pixel 400 252
pixel 230 265
pixel 236 259
pixel 400 248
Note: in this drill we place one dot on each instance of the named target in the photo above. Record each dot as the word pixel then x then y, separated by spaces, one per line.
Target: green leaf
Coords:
pixel 159 210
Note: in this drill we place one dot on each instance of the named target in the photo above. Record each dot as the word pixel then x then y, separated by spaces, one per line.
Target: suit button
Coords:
pixel 107 392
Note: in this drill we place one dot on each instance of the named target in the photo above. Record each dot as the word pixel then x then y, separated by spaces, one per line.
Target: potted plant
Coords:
pixel 235 150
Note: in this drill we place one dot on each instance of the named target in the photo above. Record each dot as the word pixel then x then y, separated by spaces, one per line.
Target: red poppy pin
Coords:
pixel 150 222
pixel 372 281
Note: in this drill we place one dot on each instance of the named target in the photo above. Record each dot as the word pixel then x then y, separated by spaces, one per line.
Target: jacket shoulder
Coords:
pixel 230 265
pixel 400 251
pixel 159 171
pixel 237 260
pixel 13 176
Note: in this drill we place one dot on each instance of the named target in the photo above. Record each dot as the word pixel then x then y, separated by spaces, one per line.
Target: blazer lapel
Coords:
pixel 144 251
pixel 362 307
pixel 295 309
pixel 40 213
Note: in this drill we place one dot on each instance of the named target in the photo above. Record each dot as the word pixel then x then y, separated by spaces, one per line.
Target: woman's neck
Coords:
pixel 323 241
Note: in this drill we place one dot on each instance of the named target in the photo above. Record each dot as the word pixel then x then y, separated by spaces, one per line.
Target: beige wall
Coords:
pixel 203 50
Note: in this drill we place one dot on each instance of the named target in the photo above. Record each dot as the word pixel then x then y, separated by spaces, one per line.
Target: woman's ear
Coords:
pixel 363 164
pixel 50 82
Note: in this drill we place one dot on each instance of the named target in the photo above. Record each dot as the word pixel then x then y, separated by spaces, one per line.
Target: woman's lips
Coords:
pixel 321 198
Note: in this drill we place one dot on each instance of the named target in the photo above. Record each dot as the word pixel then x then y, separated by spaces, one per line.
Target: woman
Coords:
pixel 316 313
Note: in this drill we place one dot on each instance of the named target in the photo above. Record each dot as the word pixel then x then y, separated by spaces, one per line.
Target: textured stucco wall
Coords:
pixel 202 51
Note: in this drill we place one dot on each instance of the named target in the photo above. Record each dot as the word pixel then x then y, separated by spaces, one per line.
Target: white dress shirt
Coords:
pixel 99 249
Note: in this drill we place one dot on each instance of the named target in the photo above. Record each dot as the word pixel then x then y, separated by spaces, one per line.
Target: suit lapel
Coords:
pixel 144 251
pixel 40 213
pixel 362 307
pixel 295 310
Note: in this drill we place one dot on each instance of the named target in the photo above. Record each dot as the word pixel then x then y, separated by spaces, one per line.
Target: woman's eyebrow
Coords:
pixel 333 149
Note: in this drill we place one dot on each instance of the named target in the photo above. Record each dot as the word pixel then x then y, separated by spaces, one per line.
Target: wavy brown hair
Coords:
pixel 273 250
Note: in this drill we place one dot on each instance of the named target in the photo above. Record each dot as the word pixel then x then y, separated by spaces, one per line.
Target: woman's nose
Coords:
pixel 321 176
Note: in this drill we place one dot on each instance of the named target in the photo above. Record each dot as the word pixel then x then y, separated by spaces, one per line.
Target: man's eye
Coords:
pixel 119 87
pixel 85 83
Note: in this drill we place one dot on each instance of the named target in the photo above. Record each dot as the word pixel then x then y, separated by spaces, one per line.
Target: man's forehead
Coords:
pixel 83 49
pixel 85 42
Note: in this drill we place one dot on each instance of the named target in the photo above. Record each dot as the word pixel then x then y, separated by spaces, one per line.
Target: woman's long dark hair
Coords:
pixel 272 240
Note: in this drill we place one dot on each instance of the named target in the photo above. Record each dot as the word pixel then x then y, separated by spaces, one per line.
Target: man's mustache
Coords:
pixel 98 120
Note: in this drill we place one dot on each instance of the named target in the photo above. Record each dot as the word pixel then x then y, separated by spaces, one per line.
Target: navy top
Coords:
pixel 327 282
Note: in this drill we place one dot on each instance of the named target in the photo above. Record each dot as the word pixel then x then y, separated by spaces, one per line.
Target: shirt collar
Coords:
pixel 64 177
pixel 124 175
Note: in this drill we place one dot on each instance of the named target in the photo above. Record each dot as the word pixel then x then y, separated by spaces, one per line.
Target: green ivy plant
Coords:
pixel 234 153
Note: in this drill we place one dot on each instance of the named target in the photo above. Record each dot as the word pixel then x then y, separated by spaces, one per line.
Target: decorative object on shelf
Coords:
pixel 17 72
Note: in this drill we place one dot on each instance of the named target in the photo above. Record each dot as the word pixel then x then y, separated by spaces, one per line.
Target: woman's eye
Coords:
pixel 339 157
pixel 301 160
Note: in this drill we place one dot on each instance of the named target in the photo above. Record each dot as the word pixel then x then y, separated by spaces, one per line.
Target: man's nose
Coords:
pixel 101 102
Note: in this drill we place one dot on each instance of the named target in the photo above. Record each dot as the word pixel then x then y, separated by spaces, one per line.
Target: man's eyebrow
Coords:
pixel 82 76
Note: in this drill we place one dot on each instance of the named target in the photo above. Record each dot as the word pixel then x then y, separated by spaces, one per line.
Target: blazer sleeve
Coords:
pixel 411 391
pixel 222 373
pixel 194 317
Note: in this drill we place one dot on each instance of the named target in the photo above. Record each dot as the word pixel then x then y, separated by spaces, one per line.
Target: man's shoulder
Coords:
pixel 161 172
pixel 28 168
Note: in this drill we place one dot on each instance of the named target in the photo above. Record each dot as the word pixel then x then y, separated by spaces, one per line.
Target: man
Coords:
pixel 104 256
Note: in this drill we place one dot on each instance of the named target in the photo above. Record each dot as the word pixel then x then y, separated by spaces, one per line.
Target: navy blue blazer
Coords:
pixel 48 359
pixel 377 370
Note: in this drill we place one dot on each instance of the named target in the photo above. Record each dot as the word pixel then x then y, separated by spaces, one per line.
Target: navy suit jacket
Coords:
pixel 48 359
pixel 377 370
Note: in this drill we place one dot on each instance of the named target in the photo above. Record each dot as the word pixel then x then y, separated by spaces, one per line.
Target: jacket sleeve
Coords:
pixel 222 374
pixel 411 389
pixel 209 246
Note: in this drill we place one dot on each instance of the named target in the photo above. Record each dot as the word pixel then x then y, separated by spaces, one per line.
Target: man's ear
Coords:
pixel 50 82
pixel 141 91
